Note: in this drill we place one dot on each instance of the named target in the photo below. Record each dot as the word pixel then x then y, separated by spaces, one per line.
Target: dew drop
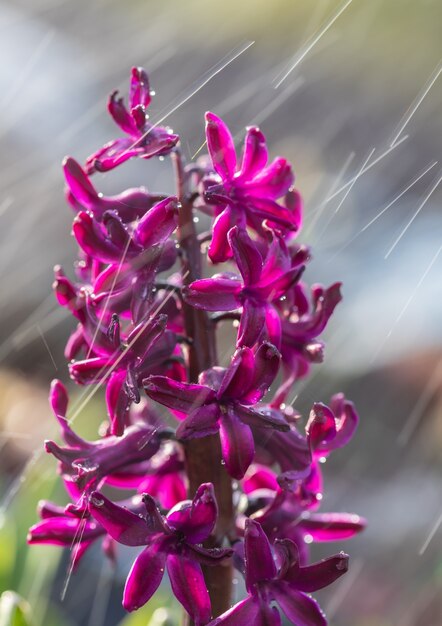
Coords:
pixel 308 539
pixel 161 158
pixel 322 459
pixel 196 220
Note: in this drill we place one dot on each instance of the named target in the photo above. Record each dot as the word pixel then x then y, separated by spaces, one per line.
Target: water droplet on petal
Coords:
pixel 308 539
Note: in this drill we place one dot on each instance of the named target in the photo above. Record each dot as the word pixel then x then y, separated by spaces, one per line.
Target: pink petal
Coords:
pixel 219 248
pixel 244 613
pixel 332 526
pixel 300 609
pixel 158 224
pixel 139 88
pixel 221 146
pixel 255 154
pixel 272 182
pixel 260 564
pixel 120 114
pixel 237 444
pixel 183 397
pixel 189 587
pixel 121 524
pixel 196 519
pixel 251 324
pixel 247 256
pixel 219 293
pixel 145 576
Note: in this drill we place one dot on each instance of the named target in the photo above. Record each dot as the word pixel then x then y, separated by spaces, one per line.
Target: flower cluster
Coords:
pixel 146 331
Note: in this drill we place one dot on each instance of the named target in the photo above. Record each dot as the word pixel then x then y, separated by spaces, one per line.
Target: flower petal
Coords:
pixel 321 425
pixel 158 224
pixel 239 376
pixel 183 397
pixel 200 423
pixel 255 154
pixel 318 575
pixel 251 324
pixel 300 609
pixel 221 146
pixel 189 588
pixel 247 255
pixel 237 444
pixel 272 182
pixel 219 293
pixel 196 519
pixel 332 526
pixel 121 524
pixel 244 612
pixel 219 248
pixel 139 92
pixel 145 576
pixel 260 564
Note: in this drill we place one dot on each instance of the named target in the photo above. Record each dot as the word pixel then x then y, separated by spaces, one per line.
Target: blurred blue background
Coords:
pixel 366 92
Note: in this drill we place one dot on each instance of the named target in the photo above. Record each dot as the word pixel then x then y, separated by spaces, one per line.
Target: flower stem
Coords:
pixel 203 456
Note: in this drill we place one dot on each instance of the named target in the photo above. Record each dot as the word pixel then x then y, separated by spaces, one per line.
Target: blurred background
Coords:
pixel 350 93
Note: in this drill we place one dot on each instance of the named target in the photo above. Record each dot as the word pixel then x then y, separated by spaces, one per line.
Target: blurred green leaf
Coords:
pixel 14 611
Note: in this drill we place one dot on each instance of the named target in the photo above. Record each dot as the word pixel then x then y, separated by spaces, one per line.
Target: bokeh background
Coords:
pixel 371 82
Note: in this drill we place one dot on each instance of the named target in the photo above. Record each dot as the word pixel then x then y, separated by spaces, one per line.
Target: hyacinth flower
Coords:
pixel 138 330
pixel 283 514
pixel 143 140
pixel 87 463
pixel 247 196
pixel 289 585
pixel 81 194
pixel 263 283
pixel 223 402
pixel 173 541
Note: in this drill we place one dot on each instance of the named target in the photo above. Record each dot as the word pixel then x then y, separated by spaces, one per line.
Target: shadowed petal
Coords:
pixel 244 613
pixel 260 565
pixel 247 255
pixel 183 397
pixel 239 375
pixel 200 423
pixel 321 426
pixel 145 576
pixel 219 248
pixel 92 239
pixel 300 609
pixel 237 444
pixel 121 524
pixel 189 587
pixel 196 519
pixel 251 324
pixel 318 575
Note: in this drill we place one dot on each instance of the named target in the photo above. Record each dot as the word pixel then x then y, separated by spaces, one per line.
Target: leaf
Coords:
pixel 14 611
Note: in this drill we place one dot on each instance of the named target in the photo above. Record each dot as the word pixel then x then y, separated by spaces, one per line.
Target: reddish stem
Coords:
pixel 203 456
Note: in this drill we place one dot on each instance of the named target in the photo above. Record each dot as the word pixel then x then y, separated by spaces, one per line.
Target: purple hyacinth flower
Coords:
pixel 130 205
pixel 142 139
pixel 248 195
pixel 88 463
pixel 263 283
pixel 173 541
pixel 329 428
pixel 224 401
pixel 287 584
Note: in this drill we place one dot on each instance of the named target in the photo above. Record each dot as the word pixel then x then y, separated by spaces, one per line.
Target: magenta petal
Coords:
pixel 239 376
pixel 157 224
pixel 321 426
pixel 332 526
pixel 247 255
pixel 244 613
pixel 117 401
pixel 112 154
pixel 139 88
pixel 251 324
pixel 255 154
pixel 300 609
pixel 196 519
pixel 221 147
pixel 63 531
pixel 346 419
pixel 120 114
pixel 260 564
pixel 179 396
pixel 189 587
pixel 121 524
pixel 267 360
pixel 262 417
pixel 145 576
pixel 237 444
pixel 219 248
pixel 80 185
pixel 318 575
pixel 219 293
pixel 93 240
pixel 200 423
pixel 272 182
pixel 58 399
